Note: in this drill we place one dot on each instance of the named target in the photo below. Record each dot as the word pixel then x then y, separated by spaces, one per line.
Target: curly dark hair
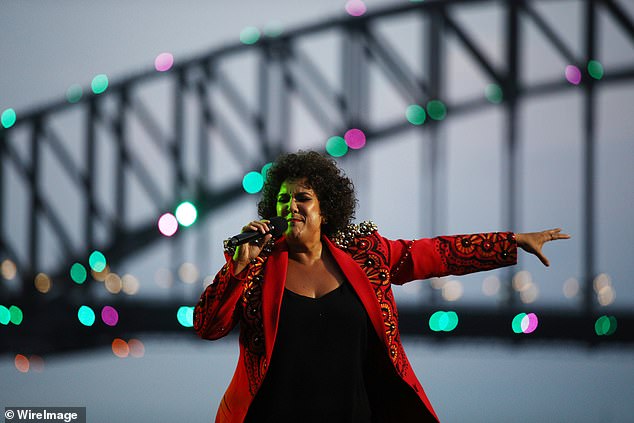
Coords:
pixel 334 190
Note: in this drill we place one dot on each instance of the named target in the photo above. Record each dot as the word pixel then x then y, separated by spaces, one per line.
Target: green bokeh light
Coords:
pixel 443 321
pixel 186 213
pixel 16 315
pixel 8 118
pixel 99 84
pixel 74 93
pixel 493 93
pixel 86 315
pixel 336 146
pixel 185 316
pixel 415 114
pixel 97 261
pixel 273 29
pixel 249 35
pixel 436 109
pixel 595 69
pixel 517 323
pixel 265 170
pixel 253 182
pixel 5 315
pixel 605 325
pixel 78 273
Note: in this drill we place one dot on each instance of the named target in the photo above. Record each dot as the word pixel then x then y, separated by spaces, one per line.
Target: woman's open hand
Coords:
pixel 533 242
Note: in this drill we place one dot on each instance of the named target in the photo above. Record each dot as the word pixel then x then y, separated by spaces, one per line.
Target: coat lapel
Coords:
pixel 272 292
pixel 361 285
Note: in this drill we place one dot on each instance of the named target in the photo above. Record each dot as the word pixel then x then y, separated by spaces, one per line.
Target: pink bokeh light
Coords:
pixel 355 138
pixel 109 316
pixel 356 7
pixel 167 224
pixel 163 62
pixel 531 323
pixel 573 74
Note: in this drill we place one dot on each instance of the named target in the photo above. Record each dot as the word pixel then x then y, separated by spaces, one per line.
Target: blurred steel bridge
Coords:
pixel 71 140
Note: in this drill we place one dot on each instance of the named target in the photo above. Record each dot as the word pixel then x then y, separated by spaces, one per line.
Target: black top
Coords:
pixel 316 372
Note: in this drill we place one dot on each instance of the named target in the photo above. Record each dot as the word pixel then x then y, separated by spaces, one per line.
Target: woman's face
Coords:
pixel 299 205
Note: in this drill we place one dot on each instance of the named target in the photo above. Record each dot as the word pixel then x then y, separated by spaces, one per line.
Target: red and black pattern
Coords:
pixel 372 257
pixel 464 254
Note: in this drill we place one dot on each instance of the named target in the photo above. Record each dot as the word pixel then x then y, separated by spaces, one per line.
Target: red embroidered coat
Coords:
pixel 371 263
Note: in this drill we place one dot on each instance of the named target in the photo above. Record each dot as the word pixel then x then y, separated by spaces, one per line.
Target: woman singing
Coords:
pixel 319 337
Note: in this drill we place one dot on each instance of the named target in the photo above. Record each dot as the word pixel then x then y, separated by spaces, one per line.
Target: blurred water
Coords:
pixel 181 379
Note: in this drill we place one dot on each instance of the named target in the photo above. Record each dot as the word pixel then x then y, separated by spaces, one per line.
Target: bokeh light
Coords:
pixel 42 283
pixel 86 315
pixel 137 349
pixel 573 74
pixel 571 288
pixel 113 283
pixel 602 285
pixel 265 170
pixel 78 273
pixel 5 315
pixel 163 62
pixel 355 138
pixel 436 109
pixel 21 363
pixel 249 35
pixel 186 213
pixel 605 325
pixel 415 114
pixel 595 69
pixel 493 93
pixel 8 118
pixel 8 269
pixel 74 93
pixel 188 272
pixel 185 316
pixel 131 284
pixel 100 276
pixel 491 285
pixel 529 323
pixel 273 29
pixel 356 7
pixel 16 315
pixel 36 363
pixel 99 84
pixel 109 315
pixel 167 224
pixel 443 321
pixel 253 182
pixel 120 348
pixel 452 290
pixel 336 146
pixel 97 261
pixel 516 324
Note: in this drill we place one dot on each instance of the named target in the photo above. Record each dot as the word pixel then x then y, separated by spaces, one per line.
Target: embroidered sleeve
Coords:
pixel 214 315
pixel 451 255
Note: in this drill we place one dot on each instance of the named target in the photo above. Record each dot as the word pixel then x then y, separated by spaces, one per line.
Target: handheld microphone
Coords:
pixel 277 226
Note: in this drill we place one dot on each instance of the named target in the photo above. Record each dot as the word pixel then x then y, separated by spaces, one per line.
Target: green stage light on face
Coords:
pixel 436 109
pixel 8 118
pixel 415 114
pixel 595 69
pixel 517 323
pixel 336 146
pixel 78 273
pixel 186 213
pixel 249 35
pixel 74 93
pixel 5 315
pixel 185 316
pixel 86 315
pixel 97 261
pixel 493 93
pixel 16 315
pixel 99 84
pixel 253 182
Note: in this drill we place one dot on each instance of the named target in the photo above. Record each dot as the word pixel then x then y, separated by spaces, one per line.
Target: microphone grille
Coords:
pixel 278 226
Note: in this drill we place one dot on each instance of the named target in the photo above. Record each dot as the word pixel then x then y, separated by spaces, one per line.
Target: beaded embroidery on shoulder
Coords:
pixel 344 237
